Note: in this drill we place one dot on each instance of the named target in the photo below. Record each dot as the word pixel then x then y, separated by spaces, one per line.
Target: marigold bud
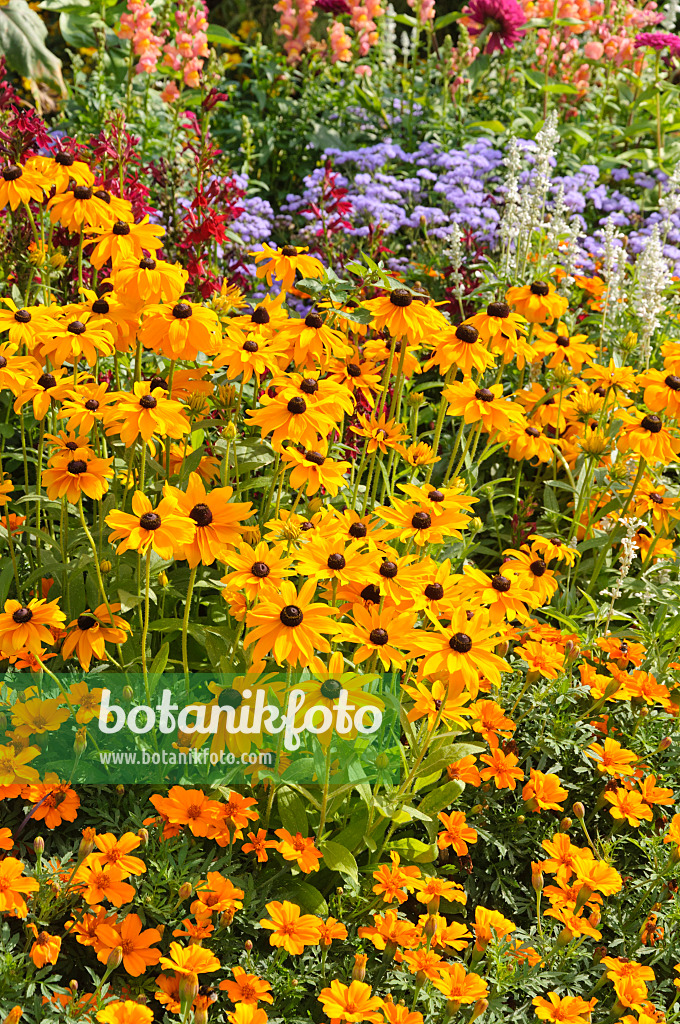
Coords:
pixel 120 788
pixel 144 836
pixel 73 985
pixel 565 937
pixel 160 929
pixel 480 1007
pixel 14 1016
pixel 80 742
pixel 114 959
pixel 185 891
pixel 565 824
pixel 105 566
pixel 536 877
pixel 579 810
pixel 430 928
pixel 521 819
pixel 39 845
pixel 128 693
pixel 452 1006
pixel 665 743
pixel 248 946
pixel 188 990
pixel 359 969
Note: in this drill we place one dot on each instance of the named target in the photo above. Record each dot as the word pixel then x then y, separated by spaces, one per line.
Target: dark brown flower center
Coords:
pixel 64 159
pixel 71 445
pixel 389 569
pixel 499 309
pixel 47 381
pixel 289 250
pixel 467 333
pixel 358 530
pixel 652 423
pixel 92 404
pixel 434 591
pixel 100 306
pixel 22 316
pixel 315 457
pixel 121 228
pixel 656 498
pixel 77 327
pixel 484 395
pixel 313 320
pixel 378 636
pixel 331 689
pixel 260 569
pixel 461 643
pixel 201 514
pixel 400 297
pixel 539 288
pixel 250 346
pixel 501 583
pixel 182 311
pixel 105 196
pixel 82 192
pixel 260 316
pixel 158 382
pixel 336 561
pixel 435 496
pixel 538 567
pixel 421 521
pixel 371 594
pixel 309 386
pixel 297 405
pixel 3 362
pixel 77 466
pixel 562 341
pixel 150 521
pixel 353 370
pixel 22 615
pixel 672 382
pixel 12 172
pixel 532 432
pixel 148 402
pixel 86 622
pixel 147 263
pixel 291 615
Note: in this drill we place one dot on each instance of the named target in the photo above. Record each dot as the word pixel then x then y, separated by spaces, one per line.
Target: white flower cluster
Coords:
pixel 653 277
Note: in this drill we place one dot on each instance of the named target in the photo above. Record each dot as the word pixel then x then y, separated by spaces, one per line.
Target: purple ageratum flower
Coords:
pixel 659 41
pixel 498 21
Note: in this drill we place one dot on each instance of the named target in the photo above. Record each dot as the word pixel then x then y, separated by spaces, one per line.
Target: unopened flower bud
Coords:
pixel 73 986
pixel 314 504
pixel 382 761
pixel 197 404
pixel 248 946
pixel 665 743
pixel 536 877
pixel 579 810
pixel 80 742
pixel 120 788
pixel 475 525
pixel 502 648
pixel 565 824
pixel 359 969
pixel 565 937
pixel 144 836
pixel 230 432
pixel 452 1006
pixel 430 928
pixel 105 566
pixel 533 675
pixel 128 693
pixel 160 928
pixel 163 579
pixel 188 990
pixel 201 1015
pixel 339 891
pixel 480 1007
pixel 185 891
pixel 114 959
pixel 521 819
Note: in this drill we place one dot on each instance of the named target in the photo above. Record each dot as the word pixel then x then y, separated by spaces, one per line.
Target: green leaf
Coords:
pixel 22 43
pixel 414 850
pixel 219 35
pixel 292 812
pixel 305 895
pixel 441 797
pixel 158 666
pixel 446 19
pixel 337 857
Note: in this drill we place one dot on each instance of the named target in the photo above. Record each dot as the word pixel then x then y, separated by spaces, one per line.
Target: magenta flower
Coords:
pixel 333 6
pixel 659 41
pixel 499 22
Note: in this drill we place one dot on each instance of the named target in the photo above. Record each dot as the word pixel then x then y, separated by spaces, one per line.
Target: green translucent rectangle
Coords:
pixel 209 729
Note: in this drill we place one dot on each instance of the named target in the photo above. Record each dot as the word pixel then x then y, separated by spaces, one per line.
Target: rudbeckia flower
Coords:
pixel 88 634
pixel 387 634
pixel 122 241
pixel 323 558
pixel 382 434
pixel 42 390
pixel 283 264
pixel 72 477
pixel 20 185
pixel 294 419
pixel 464 649
pixel 249 355
pixel 526 441
pixel 531 571
pixel 503 595
pixel 79 208
pixel 498 321
pixel 60 170
pixel 257 570
pixel 356 374
pixel 146 280
pixel 181 331
pixel 218 519
pixel 404 316
pixel 28 626
pixel 81 338
pixel 537 302
pixel 290 626
pixel 85 406
pixel 416 523
pixel 562 347
pixel 164 529
pixel 315 469
pixel 462 349
pixel 390 353
pixel 311 343
pixel 317 391
pixel 145 412
pixel 479 404
pixel 647 435
pixel 26 326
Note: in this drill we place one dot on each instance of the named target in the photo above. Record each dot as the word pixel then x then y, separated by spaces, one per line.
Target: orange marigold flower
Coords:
pixel 457 832
pixel 543 792
pixel 460 987
pixel 125 1012
pixel 57 801
pixel 389 930
pixel 502 769
pixel 612 758
pixel 101 883
pixel 352 1002
pixel 331 929
pixel 259 844
pixel 187 807
pixel 569 1009
pixel 190 960
pixel 246 988
pixel 290 931
pixel 132 941
pixel 395 882
pixel 628 805
pixel 489 924
pixel 299 849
